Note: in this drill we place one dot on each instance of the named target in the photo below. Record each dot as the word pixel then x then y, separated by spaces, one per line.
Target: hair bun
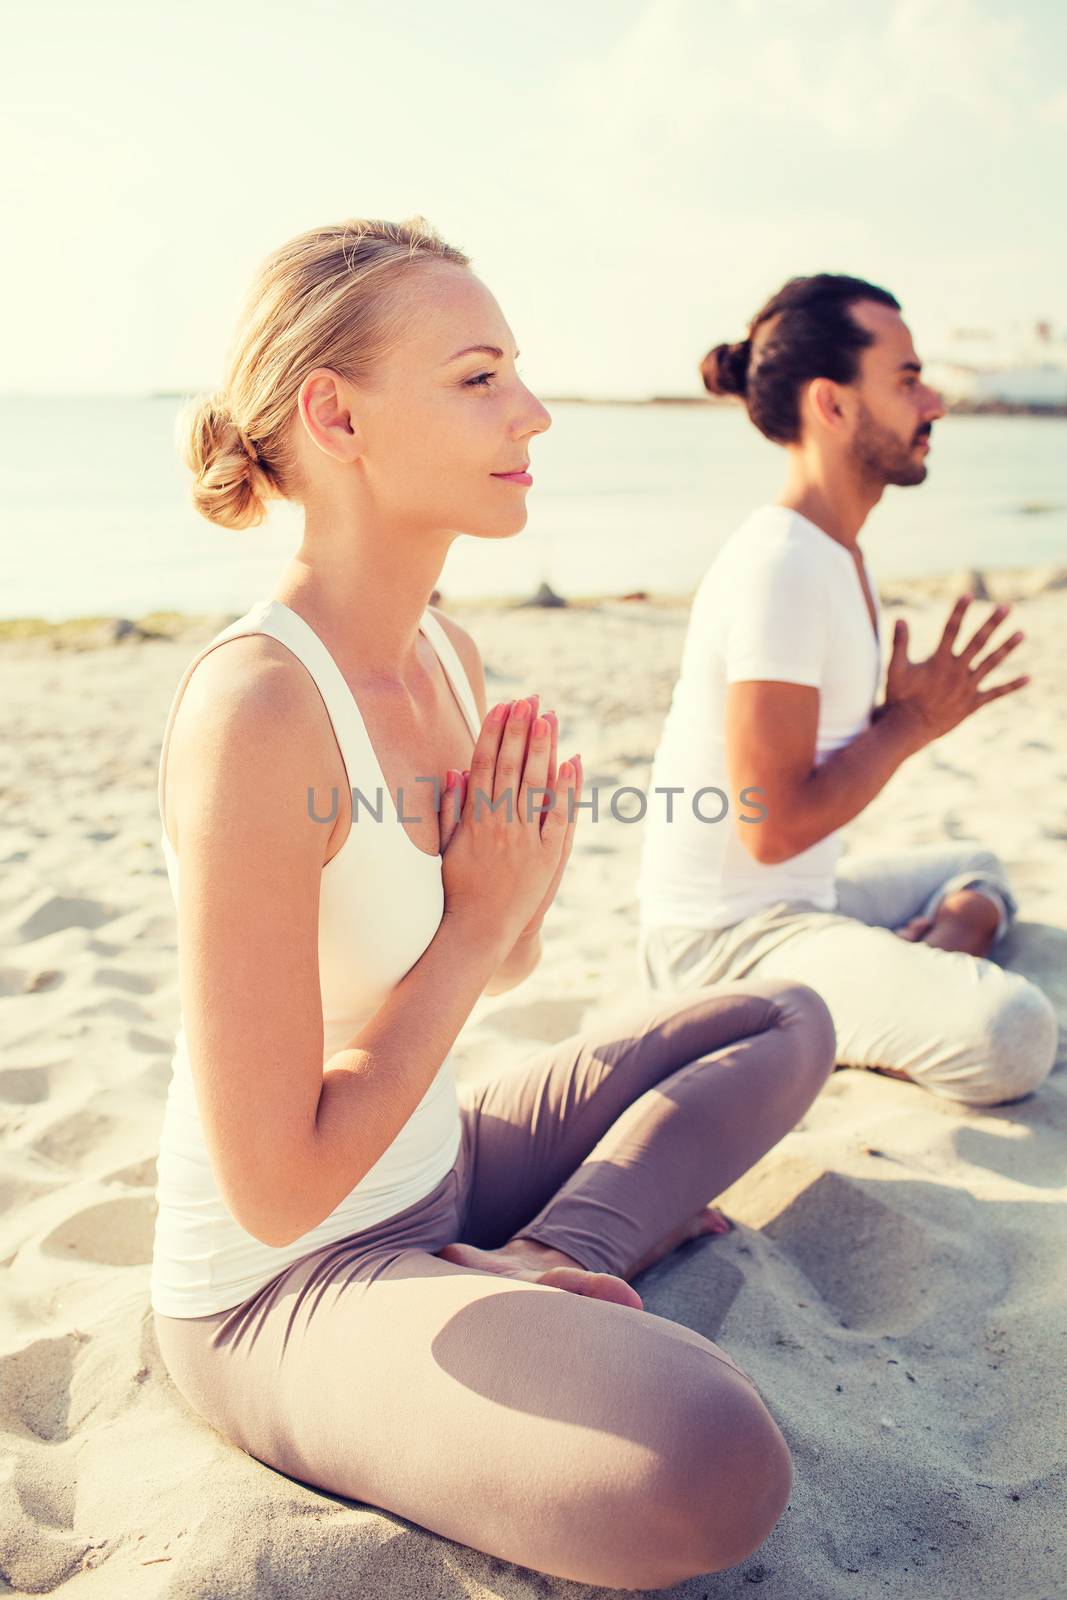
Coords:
pixel 725 368
pixel 230 485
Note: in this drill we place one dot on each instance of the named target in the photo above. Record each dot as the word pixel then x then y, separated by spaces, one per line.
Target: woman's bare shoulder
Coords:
pixel 247 701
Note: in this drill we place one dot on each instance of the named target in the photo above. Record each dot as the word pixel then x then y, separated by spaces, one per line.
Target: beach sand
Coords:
pixel 895 1283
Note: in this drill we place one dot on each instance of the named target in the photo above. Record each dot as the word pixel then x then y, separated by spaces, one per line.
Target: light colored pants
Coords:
pixel 959 1025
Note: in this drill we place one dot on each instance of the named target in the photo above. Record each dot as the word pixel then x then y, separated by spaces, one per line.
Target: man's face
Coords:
pixel 894 408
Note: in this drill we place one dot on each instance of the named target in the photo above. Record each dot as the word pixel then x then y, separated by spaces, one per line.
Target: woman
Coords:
pixel 404 1295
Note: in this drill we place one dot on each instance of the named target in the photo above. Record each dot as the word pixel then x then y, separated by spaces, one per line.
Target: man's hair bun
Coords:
pixel 725 368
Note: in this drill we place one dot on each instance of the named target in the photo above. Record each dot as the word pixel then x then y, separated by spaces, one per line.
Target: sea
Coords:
pixel 95 518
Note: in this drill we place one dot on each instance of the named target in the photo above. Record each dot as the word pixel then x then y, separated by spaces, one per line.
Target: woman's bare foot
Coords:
pixel 709 1220
pixel 539 1263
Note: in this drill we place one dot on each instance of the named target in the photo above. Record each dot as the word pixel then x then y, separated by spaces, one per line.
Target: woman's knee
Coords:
pixel 1013 1047
pixel 803 1010
pixel 706 1481
pixel 721 1493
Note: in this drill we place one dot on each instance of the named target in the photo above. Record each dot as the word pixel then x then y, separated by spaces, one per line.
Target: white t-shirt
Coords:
pixel 782 600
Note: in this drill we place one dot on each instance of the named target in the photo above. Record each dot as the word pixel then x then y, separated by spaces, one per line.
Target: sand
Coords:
pixel 895 1283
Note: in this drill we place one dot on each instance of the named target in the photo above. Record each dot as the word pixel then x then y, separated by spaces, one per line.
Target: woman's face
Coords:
pixel 447 418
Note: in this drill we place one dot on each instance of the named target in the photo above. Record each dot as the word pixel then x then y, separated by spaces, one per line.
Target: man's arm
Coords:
pixel 770 744
pixel 525 954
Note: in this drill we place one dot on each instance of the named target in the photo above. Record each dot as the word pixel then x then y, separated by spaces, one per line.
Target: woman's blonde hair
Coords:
pixel 322 300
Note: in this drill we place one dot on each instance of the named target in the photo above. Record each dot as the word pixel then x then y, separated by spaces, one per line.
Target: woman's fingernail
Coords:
pixel 521 710
pixel 500 711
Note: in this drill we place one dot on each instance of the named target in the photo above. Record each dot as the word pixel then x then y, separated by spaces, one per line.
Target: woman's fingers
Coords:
pixel 514 767
pixel 533 791
pixel 451 806
pixel 511 756
pixel 484 759
pixel 550 781
pixel 572 822
pixel 562 814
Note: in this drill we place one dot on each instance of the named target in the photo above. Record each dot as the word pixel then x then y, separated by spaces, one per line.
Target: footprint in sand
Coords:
pixel 118 978
pixel 56 912
pixel 896 1268
pixel 138 1175
pixel 35 1388
pixel 24 1086
pixel 115 1233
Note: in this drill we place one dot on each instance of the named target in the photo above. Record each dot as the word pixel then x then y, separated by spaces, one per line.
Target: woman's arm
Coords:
pixel 520 961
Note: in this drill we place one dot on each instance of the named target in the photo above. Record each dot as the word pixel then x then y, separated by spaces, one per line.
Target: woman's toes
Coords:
pixel 712 1220
pixel 596 1285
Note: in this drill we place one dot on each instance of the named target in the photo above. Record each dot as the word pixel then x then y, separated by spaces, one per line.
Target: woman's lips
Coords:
pixel 524 478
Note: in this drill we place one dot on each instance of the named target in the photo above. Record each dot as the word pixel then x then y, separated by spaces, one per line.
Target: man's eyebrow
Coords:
pixel 478 349
pixel 910 366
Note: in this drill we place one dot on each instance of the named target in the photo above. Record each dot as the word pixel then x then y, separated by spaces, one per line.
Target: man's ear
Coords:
pixel 325 409
pixel 823 399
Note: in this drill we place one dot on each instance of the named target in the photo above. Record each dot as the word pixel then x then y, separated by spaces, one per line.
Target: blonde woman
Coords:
pixel 406 1295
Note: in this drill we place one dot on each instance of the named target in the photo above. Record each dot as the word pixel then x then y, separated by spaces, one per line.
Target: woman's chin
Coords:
pixel 499 529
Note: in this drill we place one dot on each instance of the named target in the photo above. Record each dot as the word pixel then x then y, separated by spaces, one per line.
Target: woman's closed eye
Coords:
pixel 483 380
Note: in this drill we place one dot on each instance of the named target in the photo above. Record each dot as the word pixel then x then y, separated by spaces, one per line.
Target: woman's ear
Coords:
pixel 324 405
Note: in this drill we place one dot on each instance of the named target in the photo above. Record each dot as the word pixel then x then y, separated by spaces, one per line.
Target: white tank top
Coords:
pixel 202 1259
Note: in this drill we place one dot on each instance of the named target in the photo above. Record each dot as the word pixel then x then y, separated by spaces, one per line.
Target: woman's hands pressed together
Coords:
pixel 507 825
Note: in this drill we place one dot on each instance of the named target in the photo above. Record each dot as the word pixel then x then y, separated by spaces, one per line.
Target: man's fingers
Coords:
pixel 997 655
pixel 1003 688
pixel 952 626
pixel 995 618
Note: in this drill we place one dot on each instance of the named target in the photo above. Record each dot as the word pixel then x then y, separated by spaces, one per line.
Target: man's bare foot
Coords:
pixel 965 920
pixel 539 1263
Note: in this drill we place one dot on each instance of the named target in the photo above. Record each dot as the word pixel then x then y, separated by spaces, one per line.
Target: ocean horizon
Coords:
pixel 95 517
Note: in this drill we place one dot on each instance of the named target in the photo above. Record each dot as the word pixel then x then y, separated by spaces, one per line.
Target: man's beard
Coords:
pixel 880 455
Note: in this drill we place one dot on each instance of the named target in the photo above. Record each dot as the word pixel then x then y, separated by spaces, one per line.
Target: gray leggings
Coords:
pixel 581 1438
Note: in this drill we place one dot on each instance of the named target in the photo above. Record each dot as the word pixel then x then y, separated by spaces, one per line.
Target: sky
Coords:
pixel 632 178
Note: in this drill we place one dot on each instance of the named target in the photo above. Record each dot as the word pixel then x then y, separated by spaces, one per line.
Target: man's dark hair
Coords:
pixel 803 332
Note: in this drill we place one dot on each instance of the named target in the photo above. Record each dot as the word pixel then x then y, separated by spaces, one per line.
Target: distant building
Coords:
pixel 976 368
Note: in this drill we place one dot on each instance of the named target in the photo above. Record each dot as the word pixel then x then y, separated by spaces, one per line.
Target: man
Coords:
pixel 774 719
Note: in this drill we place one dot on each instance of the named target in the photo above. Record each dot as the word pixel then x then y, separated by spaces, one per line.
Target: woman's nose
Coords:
pixel 539 419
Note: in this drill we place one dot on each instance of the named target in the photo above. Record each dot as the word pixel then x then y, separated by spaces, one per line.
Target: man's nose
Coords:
pixel 935 406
